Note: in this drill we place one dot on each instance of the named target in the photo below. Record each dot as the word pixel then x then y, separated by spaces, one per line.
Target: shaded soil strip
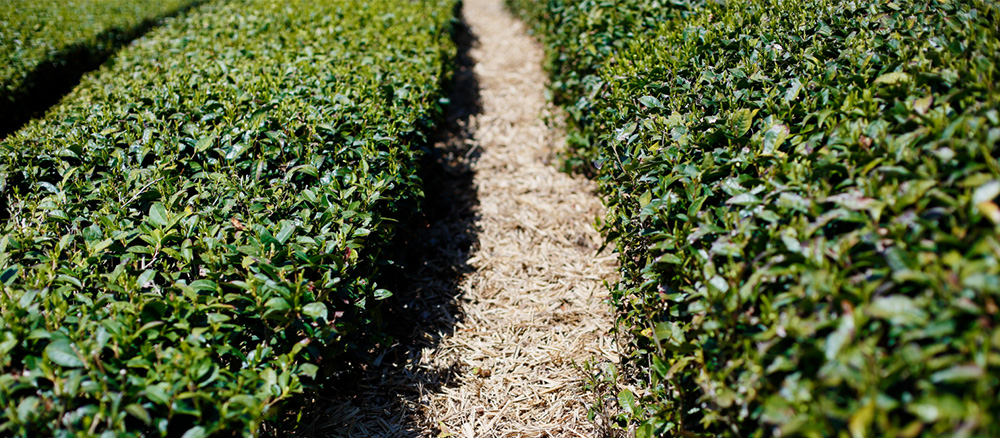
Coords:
pixel 502 302
pixel 384 400
pixel 533 308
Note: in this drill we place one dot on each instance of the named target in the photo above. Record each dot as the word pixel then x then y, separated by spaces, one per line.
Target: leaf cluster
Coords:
pixel 580 36
pixel 193 235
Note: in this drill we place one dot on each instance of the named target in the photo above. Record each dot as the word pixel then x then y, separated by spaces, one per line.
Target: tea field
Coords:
pixel 803 197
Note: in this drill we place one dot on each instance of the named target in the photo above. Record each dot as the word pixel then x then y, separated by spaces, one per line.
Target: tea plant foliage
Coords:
pixel 803 195
pixel 195 233
pixel 579 36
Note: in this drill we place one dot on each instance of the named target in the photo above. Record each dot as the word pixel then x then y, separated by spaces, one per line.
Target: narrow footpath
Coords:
pixel 533 310
pixel 503 303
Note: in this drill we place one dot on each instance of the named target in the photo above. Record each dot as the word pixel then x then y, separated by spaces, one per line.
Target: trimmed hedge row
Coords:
pixel 44 43
pixel 195 232
pixel 804 197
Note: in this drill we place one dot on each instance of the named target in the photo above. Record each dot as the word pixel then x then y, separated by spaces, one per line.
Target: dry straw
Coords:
pixel 530 303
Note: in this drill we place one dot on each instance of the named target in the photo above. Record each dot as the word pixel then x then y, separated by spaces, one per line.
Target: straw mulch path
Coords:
pixel 533 307
pixel 502 303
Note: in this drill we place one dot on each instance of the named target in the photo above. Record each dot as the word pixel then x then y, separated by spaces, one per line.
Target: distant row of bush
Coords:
pixel 803 195
pixel 45 44
pixel 196 231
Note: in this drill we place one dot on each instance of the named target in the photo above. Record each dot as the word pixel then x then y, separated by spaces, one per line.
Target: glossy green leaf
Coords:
pixel 62 352
pixel 158 215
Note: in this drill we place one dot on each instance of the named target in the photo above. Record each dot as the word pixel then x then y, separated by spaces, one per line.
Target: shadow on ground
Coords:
pixel 385 401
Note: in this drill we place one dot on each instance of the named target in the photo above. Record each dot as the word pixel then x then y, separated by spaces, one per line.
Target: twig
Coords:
pixel 143 189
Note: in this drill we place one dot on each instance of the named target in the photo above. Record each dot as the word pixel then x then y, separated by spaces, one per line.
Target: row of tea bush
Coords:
pixel 803 195
pixel 194 234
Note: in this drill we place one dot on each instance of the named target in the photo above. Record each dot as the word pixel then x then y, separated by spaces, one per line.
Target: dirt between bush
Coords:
pixel 509 293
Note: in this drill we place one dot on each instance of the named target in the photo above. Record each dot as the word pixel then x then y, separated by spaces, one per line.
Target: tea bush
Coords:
pixel 195 232
pixel 48 41
pixel 803 195
pixel 579 35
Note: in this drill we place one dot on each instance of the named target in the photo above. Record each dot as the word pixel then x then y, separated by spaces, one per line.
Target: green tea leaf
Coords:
pixel 195 432
pixel 63 353
pixel 286 232
pixel 315 310
pixel 741 121
pixel 137 411
pixel 893 78
pixel 8 275
pixel 898 309
pixel 157 394
pixel 278 304
pixel 627 401
pixel 958 374
pixel 158 215
pixel 204 144
pixel 650 102
pixel 861 421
